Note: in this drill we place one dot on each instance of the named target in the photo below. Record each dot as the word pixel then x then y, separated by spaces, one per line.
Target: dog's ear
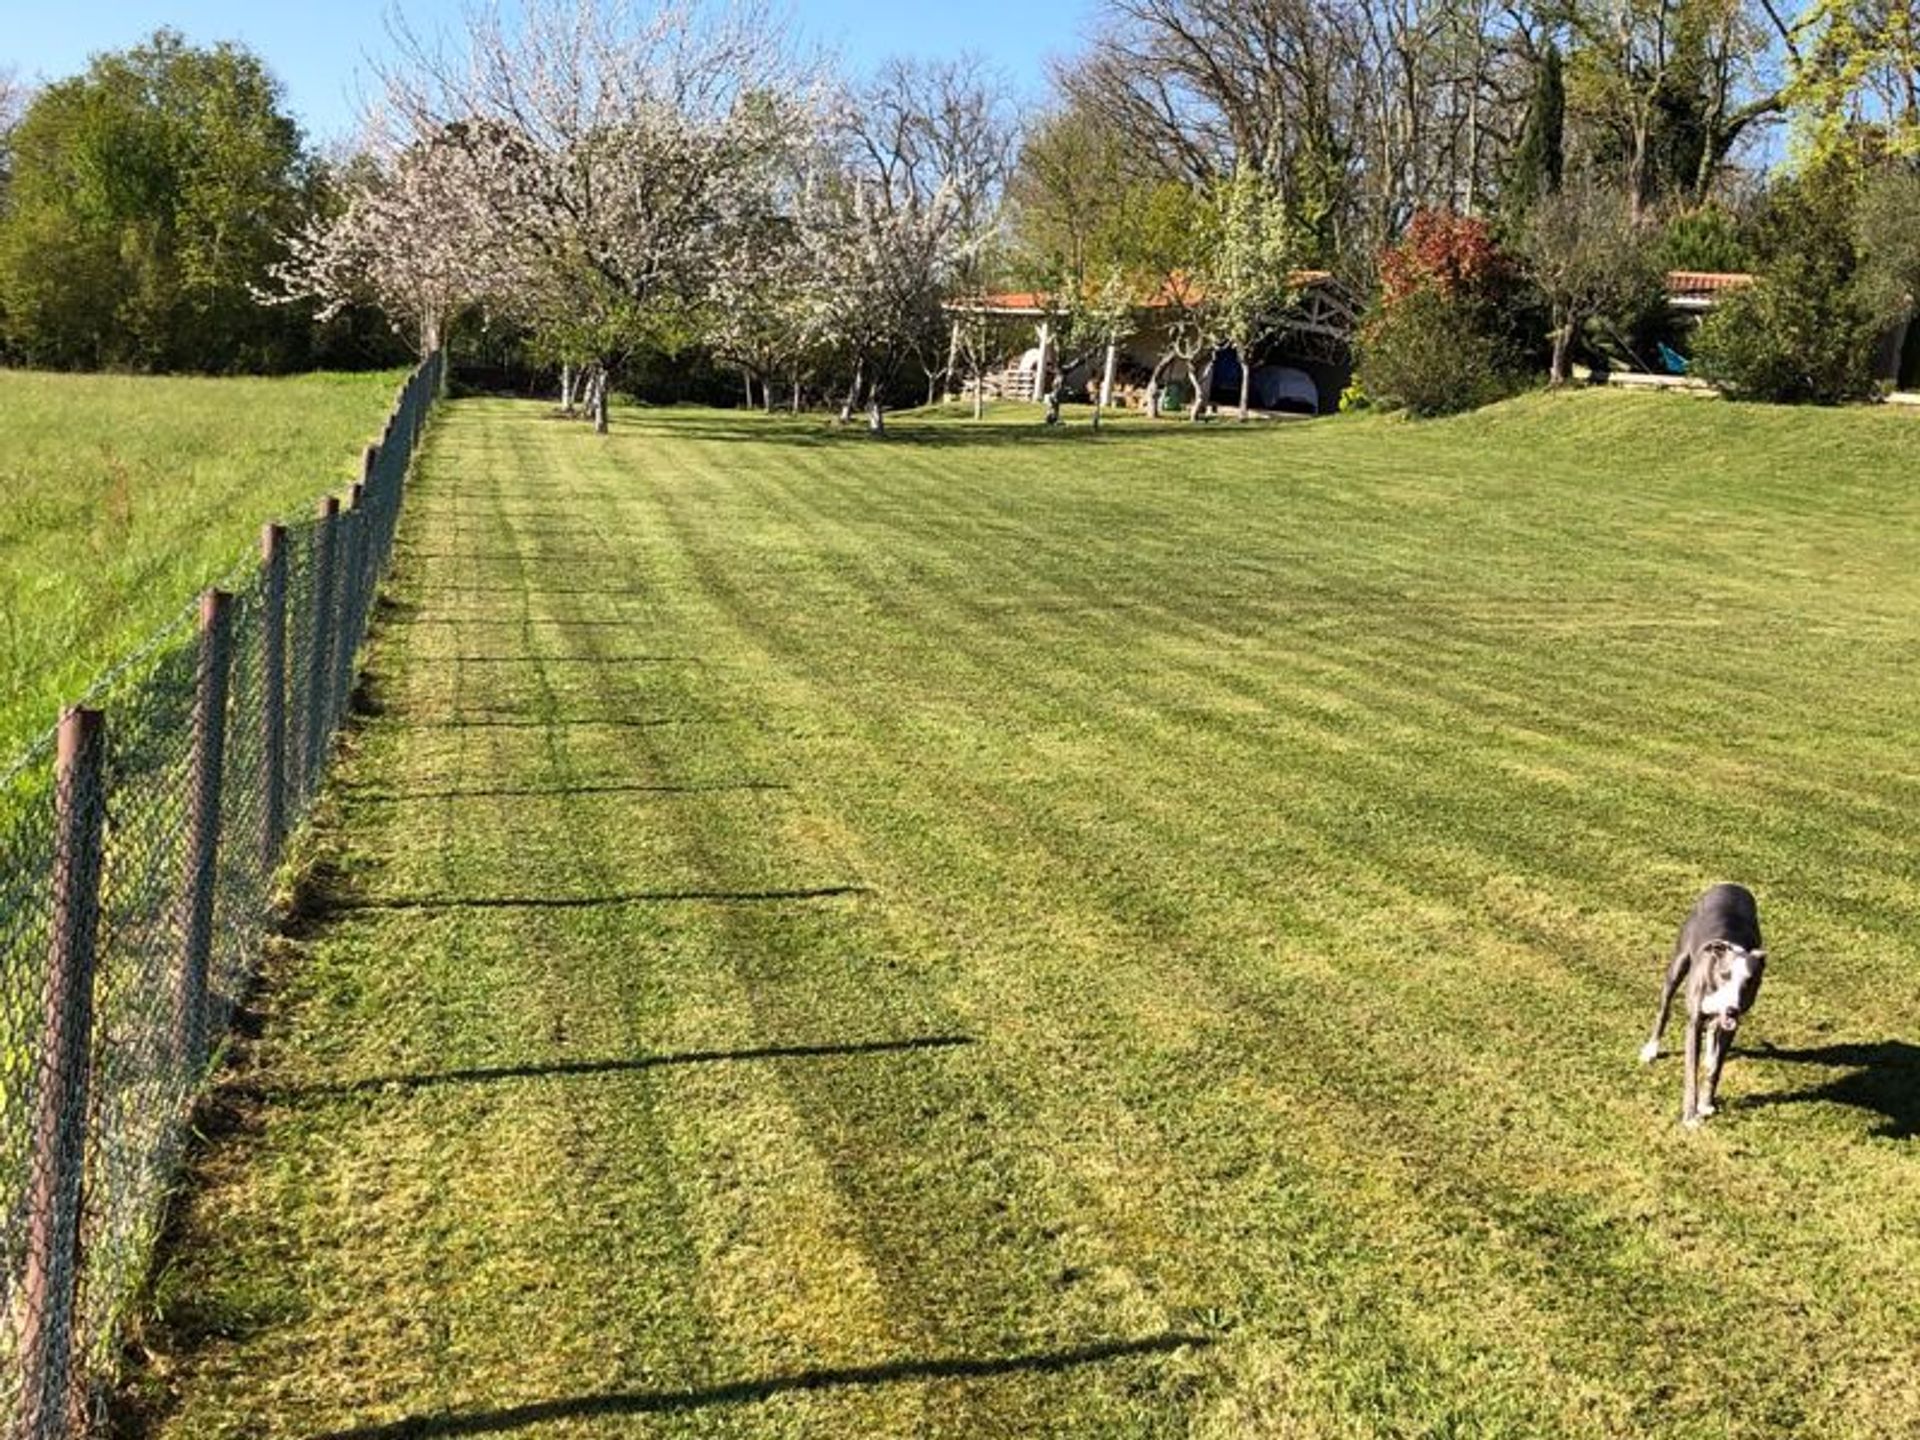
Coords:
pixel 1759 957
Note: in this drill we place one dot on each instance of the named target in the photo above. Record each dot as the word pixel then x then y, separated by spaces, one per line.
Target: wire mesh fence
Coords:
pixel 138 847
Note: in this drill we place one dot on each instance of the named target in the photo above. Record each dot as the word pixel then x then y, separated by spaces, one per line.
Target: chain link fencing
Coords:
pixel 139 843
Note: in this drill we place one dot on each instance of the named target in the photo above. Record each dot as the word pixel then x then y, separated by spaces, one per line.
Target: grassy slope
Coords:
pixel 124 495
pixel 1263 845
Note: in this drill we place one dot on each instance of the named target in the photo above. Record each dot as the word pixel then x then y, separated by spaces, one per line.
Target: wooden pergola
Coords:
pixel 1324 307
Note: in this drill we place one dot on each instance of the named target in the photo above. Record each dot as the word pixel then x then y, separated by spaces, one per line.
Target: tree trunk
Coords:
pixel 1246 389
pixel 853 395
pixel 1202 387
pixel 747 375
pixel 876 420
pixel 600 401
pixel 979 393
pixel 1563 350
pixel 1052 400
pixel 566 389
pixel 1153 386
pixel 1106 376
pixel 796 389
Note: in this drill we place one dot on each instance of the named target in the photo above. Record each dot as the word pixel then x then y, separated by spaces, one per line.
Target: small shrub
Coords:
pixel 1795 336
pixel 1807 329
pixel 1442 336
pixel 1431 353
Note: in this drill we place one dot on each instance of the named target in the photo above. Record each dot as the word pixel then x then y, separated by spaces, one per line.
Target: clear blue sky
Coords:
pixel 320 48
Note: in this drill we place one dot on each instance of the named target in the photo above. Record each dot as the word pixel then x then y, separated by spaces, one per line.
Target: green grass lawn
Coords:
pixel 125 495
pixel 997 933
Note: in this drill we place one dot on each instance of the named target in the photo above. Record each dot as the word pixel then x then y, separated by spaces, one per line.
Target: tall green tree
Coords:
pixel 1540 157
pixel 1854 81
pixel 144 209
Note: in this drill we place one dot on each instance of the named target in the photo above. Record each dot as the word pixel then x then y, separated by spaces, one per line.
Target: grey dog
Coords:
pixel 1719 956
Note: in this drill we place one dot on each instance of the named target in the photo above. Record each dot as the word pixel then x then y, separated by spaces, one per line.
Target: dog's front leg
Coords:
pixel 1718 1043
pixel 1690 1083
pixel 1676 972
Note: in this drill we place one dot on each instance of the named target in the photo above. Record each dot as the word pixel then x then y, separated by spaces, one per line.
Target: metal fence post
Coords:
pixel 203 832
pixel 320 648
pixel 273 701
pixel 50 1401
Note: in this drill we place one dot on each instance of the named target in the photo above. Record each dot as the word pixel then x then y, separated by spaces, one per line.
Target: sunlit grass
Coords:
pixel 992 933
pixel 125 494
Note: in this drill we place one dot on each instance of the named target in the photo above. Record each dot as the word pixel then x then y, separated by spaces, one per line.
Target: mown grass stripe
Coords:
pixel 1288 823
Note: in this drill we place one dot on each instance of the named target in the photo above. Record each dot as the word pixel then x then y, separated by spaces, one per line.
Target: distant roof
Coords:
pixel 1038 302
pixel 1700 288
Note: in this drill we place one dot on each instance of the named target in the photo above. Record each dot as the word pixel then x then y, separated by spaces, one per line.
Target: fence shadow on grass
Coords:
pixel 486 1074
pixel 1884 1079
pixel 612 1403
pixel 365 795
pixel 348 905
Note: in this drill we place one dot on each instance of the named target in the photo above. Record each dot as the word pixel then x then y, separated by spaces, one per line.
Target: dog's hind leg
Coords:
pixel 1676 972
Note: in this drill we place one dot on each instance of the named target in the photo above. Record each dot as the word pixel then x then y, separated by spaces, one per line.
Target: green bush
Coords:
pixel 1793 337
pixel 1432 353
pixel 1806 330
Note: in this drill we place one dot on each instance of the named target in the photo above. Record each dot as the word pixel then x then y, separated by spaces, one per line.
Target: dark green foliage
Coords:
pixel 1445 333
pixel 1807 329
pixel 146 202
pixel 1710 238
pixel 1432 353
pixel 1539 158
pixel 1795 336
pixel 1887 231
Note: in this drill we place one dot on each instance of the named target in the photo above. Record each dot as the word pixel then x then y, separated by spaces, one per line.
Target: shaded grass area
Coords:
pixel 126 494
pixel 1009 934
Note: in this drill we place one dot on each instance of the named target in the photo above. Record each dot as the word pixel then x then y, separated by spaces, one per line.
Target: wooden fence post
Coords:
pixel 273 696
pixel 320 649
pixel 203 832
pixel 370 479
pixel 49 1399
pixel 353 562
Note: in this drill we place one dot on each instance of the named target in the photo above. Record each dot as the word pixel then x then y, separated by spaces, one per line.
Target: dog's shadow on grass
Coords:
pixel 1882 1077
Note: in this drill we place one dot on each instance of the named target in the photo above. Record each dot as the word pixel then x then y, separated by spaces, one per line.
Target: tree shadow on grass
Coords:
pixel 944 435
pixel 611 1403
pixel 482 1075
pixel 1884 1078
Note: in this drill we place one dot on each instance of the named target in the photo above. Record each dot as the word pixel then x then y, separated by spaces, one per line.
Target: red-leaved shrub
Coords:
pixel 1440 336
